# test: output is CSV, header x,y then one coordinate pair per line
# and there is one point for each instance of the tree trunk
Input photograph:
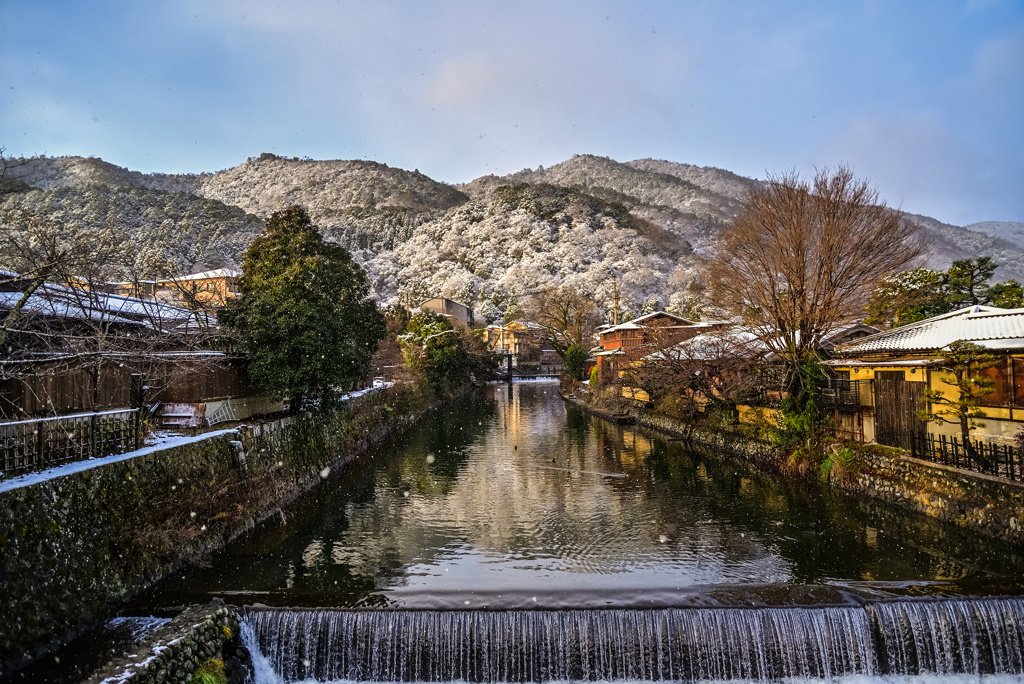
x,y
972,453
796,388
13,314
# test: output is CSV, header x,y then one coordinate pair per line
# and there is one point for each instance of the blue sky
x,y
925,99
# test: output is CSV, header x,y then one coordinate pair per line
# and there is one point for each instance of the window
x,y
999,374
1018,382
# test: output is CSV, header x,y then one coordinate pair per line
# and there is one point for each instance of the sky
x,y
924,98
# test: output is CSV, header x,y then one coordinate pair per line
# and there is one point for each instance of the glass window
x,y
1018,382
999,375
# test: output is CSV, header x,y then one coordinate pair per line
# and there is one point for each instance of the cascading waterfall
x,y
973,636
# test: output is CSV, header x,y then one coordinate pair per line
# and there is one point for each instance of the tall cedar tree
x,y
304,315
802,259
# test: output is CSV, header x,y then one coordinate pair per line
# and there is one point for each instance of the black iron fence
x,y
31,445
1002,460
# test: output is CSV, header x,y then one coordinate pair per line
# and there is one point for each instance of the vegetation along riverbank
x,y
982,503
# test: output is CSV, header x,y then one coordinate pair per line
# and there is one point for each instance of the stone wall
x,y
74,546
200,639
982,503
989,505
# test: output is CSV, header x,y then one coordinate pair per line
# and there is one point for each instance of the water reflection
x,y
511,491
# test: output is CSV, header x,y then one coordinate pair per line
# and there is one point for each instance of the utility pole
x,y
615,300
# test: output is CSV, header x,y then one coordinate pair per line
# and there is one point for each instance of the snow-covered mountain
x,y
1010,231
488,243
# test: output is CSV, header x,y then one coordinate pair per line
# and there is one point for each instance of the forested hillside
x,y
515,240
1010,231
168,233
587,222
363,205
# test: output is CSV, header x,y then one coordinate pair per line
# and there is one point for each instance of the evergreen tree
x,y
304,316
919,293
906,297
575,359
960,401
966,282
446,356
1007,295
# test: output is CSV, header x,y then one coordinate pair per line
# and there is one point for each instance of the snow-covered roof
x,y
987,326
63,302
206,275
710,346
629,325
523,326
639,321
849,363
853,327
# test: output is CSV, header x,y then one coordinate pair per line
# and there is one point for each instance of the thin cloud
x,y
919,163
460,89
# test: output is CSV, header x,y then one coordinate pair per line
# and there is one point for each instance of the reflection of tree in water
x,y
824,534
381,534
513,480
431,464
576,427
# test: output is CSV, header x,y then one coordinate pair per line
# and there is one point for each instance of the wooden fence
x,y
1002,460
55,389
31,445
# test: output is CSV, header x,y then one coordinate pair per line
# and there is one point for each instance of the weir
x,y
909,637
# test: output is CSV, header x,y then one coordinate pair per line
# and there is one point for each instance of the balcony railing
x,y
842,395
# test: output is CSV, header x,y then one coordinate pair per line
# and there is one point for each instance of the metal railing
x,y
840,394
31,445
1001,460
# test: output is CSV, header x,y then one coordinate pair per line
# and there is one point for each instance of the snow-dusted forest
x,y
590,222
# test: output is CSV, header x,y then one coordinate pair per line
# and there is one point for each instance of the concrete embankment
x,y
981,503
76,545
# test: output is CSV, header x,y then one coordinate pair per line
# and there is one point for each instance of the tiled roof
x,y
985,325
57,301
205,275
638,322
738,341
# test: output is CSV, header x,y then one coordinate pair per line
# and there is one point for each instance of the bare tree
x,y
719,365
568,316
58,316
802,259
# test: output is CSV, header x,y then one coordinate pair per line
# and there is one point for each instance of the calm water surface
x,y
511,498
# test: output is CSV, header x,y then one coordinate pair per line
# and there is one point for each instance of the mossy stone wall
x,y
199,639
982,503
73,546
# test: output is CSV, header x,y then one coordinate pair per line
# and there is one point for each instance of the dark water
x,y
512,499
79,659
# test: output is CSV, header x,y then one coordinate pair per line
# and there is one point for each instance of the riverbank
x,y
981,503
78,544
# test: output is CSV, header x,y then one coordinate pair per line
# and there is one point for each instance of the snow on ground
x,y
547,380
165,441
359,393
157,441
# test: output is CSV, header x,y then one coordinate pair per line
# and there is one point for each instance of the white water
x,y
955,640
